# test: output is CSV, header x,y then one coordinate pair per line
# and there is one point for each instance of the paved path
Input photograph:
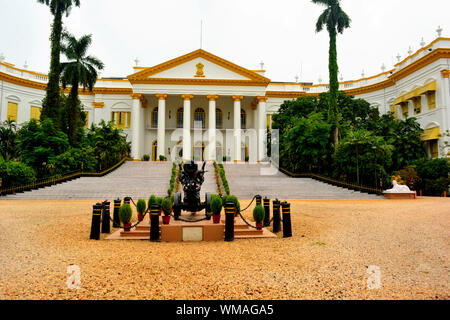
x,y
246,181
134,179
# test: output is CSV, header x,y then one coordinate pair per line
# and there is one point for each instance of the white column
x,y
212,127
135,126
161,125
446,109
237,128
97,114
187,146
262,139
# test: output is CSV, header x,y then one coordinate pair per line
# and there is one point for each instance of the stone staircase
x,y
247,180
134,179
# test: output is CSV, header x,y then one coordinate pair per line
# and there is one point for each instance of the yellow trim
x,y
121,119
98,105
430,87
143,76
446,73
421,49
187,97
136,96
431,134
155,150
212,97
431,99
237,98
86,123
162,96
261,98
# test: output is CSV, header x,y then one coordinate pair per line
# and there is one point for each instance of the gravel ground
x,y
334,242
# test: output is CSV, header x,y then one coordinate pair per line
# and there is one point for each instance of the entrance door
x,y
155,150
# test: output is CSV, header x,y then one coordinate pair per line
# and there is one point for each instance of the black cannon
x,y
192,179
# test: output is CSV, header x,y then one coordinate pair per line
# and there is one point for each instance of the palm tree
x,y
81,70
51,106
335,20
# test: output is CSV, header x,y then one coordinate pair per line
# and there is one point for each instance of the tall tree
x,y
80,70
335,20
51,107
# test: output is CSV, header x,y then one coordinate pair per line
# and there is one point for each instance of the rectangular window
x,y
431,98
122,120
35,113
394,111
86,122
434,149
218,119
12,111
405,110
417,101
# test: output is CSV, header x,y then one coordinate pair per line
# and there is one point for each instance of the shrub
x,y
167,206
162,158
141,206
216,204
236,202
259,214
146,157
159,201
125,213
16,174
151,200
409,176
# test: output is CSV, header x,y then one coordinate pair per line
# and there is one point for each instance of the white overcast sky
x,y
281,33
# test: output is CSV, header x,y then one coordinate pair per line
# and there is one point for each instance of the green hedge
x,y
15,174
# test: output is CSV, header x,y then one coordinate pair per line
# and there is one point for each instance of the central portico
x,y
199,107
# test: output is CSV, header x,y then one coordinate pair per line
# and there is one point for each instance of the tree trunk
x,y
73,112
334,88
52,108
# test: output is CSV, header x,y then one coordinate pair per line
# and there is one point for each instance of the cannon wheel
x,y
177,206
208,202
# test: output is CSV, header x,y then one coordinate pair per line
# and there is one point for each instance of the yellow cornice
x,y
212,97
22,82
145,74
98,105
136,96
374,87
10,65
187,97
237,98
446,73
103,90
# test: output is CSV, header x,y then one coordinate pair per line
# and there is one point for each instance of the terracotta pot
x,y
127,227
166,220
259,226
140,217
216,218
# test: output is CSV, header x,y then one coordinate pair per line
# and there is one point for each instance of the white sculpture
x,y
398,188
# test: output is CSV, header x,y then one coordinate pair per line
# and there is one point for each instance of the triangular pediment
x,y
199,67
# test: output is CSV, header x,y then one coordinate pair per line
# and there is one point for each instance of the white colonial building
x,y
203,107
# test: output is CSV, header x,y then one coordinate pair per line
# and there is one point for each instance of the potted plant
x,y
259,214
151,200
146,157
125,214
141,206
159,202
216,208
167,209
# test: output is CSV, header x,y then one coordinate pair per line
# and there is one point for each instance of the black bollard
x,y
258,200
95,226
267,210
106,217
116,219
276,216
127,200
230,209
287,226
154,222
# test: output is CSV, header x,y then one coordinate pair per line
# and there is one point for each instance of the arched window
x,y
199,116
180,118
243,119
219,119
155,118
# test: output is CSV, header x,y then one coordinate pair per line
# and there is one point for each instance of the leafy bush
x,y
16,174
141,206
74,159
409,177
159,201
216,204
433,176
162,158
235,200
166,206
125,213
151,200
259,214
146,157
